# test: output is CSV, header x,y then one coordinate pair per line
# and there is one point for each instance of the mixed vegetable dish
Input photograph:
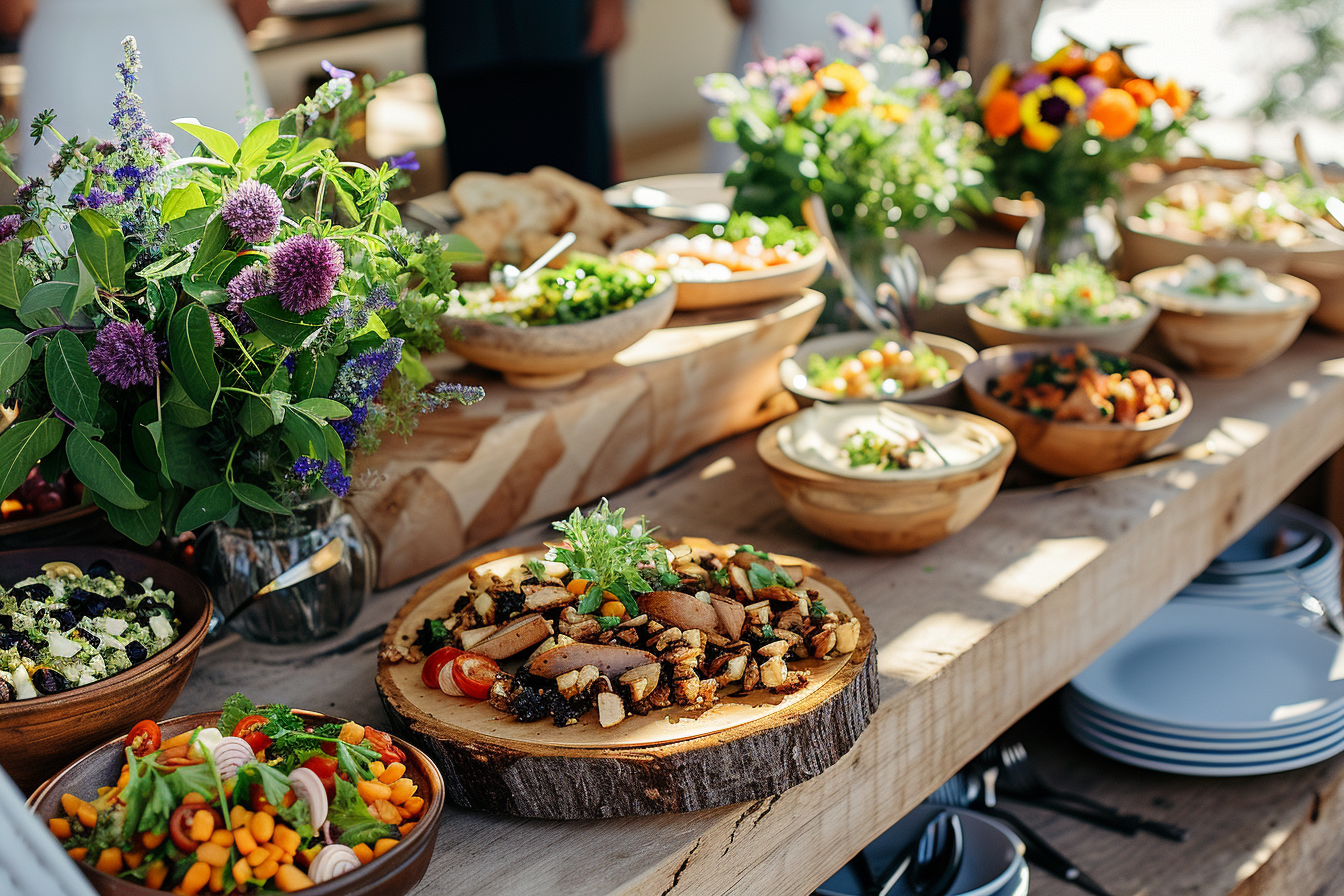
x,y
867,448
1081,385
1076,293
68,627
585,288
613,620
266,800
885,369
714,252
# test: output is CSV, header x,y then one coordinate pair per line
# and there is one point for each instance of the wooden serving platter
x,y
680,759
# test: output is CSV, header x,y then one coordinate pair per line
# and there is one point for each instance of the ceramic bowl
x,y
1121,336
392,874
793,370
555,355
1223,338
890,515
746,287
39,735
1070,448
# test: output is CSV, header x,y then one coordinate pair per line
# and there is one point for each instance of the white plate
x,y
1249,554
1288,727
1084,714
1093,732
686,197
1198,665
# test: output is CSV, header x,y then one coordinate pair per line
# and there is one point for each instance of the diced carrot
x,y
273,850
193,799
383,846
414,805
150,840
290,799
213,854
156,875
352,733
133,859
109,861
392,773
79,853
239,817
578,586
364,852
375,766
262,827
290,879
202,826
71,803
60,827
243,839
242,872
266,870
372,791
177,740
406,828
402,790
222,838
198,875
217,879
88,816
386,812
286,838
258,856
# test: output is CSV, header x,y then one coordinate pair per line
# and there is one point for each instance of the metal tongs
x,y
509,276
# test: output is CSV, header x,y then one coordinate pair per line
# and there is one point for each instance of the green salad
x,y
772,231
586,288
866,448
1076,293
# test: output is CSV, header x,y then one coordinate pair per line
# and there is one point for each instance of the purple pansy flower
x,y
253,211
304,271
125,355
333,72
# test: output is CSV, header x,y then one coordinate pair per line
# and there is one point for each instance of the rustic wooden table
x,y
973,633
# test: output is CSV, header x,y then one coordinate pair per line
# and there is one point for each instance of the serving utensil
x,y
927,867
856,297
509,276
324,559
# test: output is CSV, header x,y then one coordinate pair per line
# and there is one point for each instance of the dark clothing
x,y
516,88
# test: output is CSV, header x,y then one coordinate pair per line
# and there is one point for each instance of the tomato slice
x,y
145,738
474,674
325,767
434,663
388,751
179,824
249,729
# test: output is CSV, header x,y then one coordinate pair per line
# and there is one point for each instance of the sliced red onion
x,y
332,861
307,786
231,754
447,684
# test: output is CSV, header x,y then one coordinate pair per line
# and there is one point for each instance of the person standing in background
x,y
523,82
196,63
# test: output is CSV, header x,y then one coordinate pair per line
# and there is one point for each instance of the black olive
x,y
39,612
6,620
136,653
35,591
7,639
95,607
49,681
90,637
100,569
131,589
64,618
116,602
7,692
28,649
78,597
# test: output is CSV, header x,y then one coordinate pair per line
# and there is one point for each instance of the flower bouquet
x,y
1060,130
196,337
875,139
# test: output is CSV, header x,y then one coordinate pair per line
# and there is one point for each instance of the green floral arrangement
x,y
196,338
875,138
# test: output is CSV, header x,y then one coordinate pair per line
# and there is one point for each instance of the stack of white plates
x,y
1249,576
1211,690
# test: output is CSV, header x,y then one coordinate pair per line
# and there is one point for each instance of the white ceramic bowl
x,y
793,370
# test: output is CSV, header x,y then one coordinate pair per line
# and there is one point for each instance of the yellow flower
x,y
1048,107
896,112
999,78
843,84
803,96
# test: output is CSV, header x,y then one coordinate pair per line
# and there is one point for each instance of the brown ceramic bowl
x,y
39,735
1120,336
555,355
1221,338
1070,448
886,516
392,874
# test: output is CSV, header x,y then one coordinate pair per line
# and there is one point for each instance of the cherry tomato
x,y
388,751
179,824
474,674
249,729
325,767
145,738
434,663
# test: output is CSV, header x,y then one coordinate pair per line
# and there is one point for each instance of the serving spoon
x,y
509,276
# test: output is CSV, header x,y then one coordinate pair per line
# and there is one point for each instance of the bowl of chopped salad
x,y
1226,319
861,366
1078,302
1076,411
552,329
91,639
251,799
747,259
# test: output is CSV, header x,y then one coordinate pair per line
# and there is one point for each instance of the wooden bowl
x,y
746,287
554,355
1222,339
885,516
1121,336
1070,448
392,874
39,735
1325,271
1144,250
793,370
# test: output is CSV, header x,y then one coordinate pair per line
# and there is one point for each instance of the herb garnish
x,y
612,557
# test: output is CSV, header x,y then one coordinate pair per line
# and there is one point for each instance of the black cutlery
x,y
927,867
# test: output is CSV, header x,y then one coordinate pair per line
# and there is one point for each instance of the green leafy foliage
x,y
349,814
602,550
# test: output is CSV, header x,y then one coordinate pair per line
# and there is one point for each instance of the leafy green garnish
x,y
235,709
818,609
719,577
773,230
537,568
609,621
349,813
432,635
866,448
275,784
603,550
1074,293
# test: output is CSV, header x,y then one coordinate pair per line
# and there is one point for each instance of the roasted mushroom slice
x,y
732,616
678,609
548,597
610,659
517,636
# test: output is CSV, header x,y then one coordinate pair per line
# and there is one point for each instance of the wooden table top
x,y
973,632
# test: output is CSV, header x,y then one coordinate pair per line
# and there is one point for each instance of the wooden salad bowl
x,y
793,369
745,287
1222,339
392,874
555,355
681,759
1120,336
886,516
39,735
1071,448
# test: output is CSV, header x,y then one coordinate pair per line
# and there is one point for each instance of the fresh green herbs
x,y
432,635
349,813
537,568
611,556
1075,293
762,576
866,448
773,230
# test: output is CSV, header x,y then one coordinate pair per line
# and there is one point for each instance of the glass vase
x,y
1054,237
236,562
865,252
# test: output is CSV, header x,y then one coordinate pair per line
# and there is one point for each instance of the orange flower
x,y
804,96
1002,114
1068,60
843,85
1142,90
1040,139
1110,68
1116,112
893,112
1175,96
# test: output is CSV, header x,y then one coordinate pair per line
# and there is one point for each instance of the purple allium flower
x,y
305,466
216,329
253,211
304,271
406,162
246,285
334,479
334,72
9,225
125,355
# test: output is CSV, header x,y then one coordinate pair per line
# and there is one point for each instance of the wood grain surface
x,y
972,633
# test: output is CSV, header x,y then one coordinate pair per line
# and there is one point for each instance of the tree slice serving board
x,y
680,759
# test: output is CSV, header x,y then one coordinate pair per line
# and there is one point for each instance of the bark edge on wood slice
x,y
752,761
